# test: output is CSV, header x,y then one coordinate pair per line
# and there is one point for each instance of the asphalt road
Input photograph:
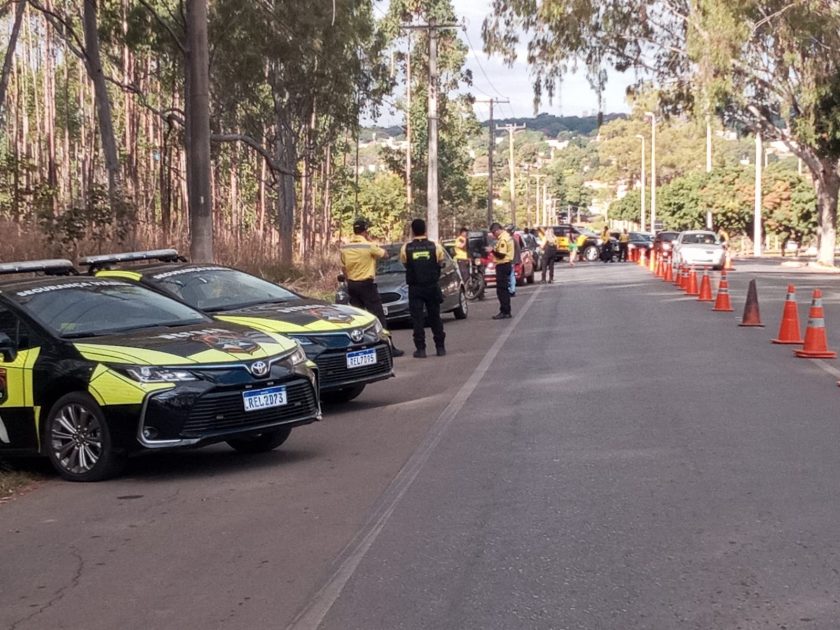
x,y
618,456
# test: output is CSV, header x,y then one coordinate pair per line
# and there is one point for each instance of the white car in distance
x,y
699,248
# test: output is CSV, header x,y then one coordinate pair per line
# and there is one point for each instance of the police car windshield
x,y
88,308
214,289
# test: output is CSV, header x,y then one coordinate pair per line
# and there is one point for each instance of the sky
x,y
493,78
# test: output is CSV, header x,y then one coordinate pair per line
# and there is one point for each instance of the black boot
x,y
420,353
441,351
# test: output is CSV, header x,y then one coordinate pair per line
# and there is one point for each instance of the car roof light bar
x,y
163,255
51,267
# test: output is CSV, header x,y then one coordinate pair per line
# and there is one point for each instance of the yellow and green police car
x,y
93,369
349,345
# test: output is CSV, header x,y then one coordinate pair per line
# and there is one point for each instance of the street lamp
x,y
642,138
652,117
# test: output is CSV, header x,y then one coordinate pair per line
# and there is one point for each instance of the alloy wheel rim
x,y
76,439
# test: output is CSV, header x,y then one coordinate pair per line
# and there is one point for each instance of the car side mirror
x,y
341,277
8,349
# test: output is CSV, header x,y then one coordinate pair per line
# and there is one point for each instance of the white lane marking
x,y
313,614
820,363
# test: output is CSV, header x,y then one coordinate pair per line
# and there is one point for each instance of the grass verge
x,y
14,481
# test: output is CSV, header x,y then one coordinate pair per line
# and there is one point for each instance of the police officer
x,y
422,259
549,247
503,254
358,262
623,245
462,256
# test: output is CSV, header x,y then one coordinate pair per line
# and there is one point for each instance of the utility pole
x,y
708,166
642,138
546,218
538,216
511,129
759,161
490,149
652,170
432,173
408,192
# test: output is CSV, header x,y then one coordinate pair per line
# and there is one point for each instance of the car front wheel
x,y
78,441
261,443
590,253
462,309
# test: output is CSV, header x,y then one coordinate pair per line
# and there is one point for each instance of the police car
x,y
92,369
349,345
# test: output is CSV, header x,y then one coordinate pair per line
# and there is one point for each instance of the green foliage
x,y
381,200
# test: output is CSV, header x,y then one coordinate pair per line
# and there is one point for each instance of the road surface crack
x,y
59,594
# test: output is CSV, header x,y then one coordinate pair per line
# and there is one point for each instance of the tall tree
x,y
773,65
8,60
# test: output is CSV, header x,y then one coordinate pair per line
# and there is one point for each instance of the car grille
x,y
332,367
222,411
390,297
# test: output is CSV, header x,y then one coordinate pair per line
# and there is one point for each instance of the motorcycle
x,y
474,285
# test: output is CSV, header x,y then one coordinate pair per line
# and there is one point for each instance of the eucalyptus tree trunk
x,y
8,60
199,190
827,182
285,149
93,60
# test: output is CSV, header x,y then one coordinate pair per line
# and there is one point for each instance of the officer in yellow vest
x,y
462,256
623,245
358,263
503,253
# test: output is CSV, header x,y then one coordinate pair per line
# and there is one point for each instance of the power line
x,y
478,61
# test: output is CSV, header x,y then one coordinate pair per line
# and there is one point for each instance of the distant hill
x,y
553,126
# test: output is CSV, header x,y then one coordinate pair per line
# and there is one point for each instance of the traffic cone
x,y
722,302
815,346
642,259
652,264
728,266
683,277
669,272
658,273
789,330
705,288
751,317
692,288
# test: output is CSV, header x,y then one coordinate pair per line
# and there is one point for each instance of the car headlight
x,y
145,374
378,328
297,357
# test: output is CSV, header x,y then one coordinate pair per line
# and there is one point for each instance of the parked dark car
x,y
663,243
390,281
638,240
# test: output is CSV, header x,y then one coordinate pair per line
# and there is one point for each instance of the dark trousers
x,y
622,252
464,268
548,263
423,303
364,294
502,288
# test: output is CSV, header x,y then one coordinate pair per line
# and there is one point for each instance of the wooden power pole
x,y
490,150
511,129
432,173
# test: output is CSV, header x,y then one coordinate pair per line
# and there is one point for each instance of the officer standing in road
x,y
503,255
462,256
358,262
623,245
422,259
549,247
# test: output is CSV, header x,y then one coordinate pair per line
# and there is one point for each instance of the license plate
x,y
264,398
360,358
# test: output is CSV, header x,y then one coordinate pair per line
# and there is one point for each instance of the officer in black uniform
x,y
422,259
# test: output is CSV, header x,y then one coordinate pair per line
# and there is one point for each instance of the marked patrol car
x,y
92,369
349,345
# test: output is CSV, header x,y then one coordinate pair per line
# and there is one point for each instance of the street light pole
x,y
759,155
709,222
642,138
652,170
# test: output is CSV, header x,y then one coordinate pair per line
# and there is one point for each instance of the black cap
x,y
495,226
360,225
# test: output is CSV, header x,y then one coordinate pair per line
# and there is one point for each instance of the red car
x,y
524,270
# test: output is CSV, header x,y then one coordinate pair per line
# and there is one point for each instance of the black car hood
x,y
299,316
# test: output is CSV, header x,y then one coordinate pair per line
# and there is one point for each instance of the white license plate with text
x,y
360,358
264,398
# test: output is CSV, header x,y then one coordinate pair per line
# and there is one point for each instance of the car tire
x,y
78,441
530,279
343,395
261,443
590,253
463,309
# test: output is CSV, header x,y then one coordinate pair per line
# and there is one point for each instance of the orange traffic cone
x,y
722,302
729,266
683,277
677,275
692,288
815,346
642,259
751,317
669,272
659,273
652,265
789,328
705,288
